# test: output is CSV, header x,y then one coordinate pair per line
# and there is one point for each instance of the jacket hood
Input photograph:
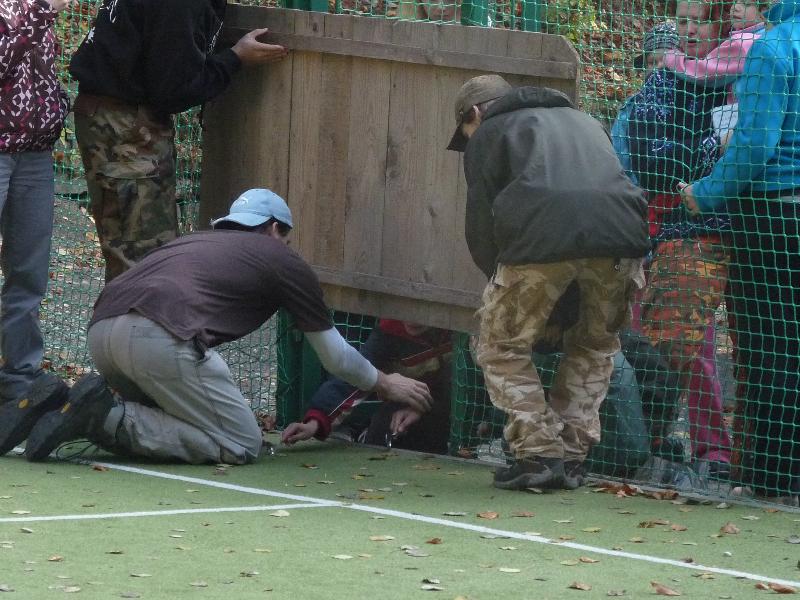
x,y
783,10
530,97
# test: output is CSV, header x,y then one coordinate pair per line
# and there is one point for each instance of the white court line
x,y
455,524
156,513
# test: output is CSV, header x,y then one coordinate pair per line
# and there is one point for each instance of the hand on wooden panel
x,y
252,52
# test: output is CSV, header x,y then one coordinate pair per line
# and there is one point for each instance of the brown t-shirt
x,y
217,286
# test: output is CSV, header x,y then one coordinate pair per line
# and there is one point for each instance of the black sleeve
x,y
179,69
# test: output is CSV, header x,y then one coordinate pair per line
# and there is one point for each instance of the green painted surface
x,y
293,555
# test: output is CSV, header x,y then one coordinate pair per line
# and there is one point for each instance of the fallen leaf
x,y
793,539
653,523
454,514
637,540
415,553
130,595
508,570
729,528
326,482
431,588
615,593
522,514
676,527
779,588
588,560
762,586
488,515
248,573
101,468
279,513
431,580
4,587
20,512
434,541
141,575
576,585
26,530
663,590
56,558
750,517
591,529
115,552
262,550
309,466
380,538
508,548
342,556
200,584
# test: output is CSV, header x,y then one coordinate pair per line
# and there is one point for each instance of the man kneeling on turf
x,y
152,337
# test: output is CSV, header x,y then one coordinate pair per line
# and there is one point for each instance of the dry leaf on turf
x,y
431,588
279,513
653,523
677,527
663,590
508,570
434,541
522,514
453,513
779,588
577,585
342,556
380,538
488,515
200,584
591,529
616,593
729,528
55,558
587,560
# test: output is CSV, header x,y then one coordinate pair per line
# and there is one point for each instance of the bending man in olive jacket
x,y
548,204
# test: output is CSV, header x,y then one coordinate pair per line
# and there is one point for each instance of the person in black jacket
x,y
142,62
548,204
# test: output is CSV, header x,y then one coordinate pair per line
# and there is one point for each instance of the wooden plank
x,y
415,55
332,150
304,189
397,287
366,165
227,173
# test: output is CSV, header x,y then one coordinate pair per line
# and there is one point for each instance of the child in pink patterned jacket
x,y
32,111
723,65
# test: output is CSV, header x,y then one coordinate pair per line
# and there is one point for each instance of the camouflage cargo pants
x,y
686,286
516,305
129,157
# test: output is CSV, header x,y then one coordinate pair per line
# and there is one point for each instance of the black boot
x,y
534,472
82,417
18,417
574,474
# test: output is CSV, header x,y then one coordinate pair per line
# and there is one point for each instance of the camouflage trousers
x,y
686,286
516,305
129,158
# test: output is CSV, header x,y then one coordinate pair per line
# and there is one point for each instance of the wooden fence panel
x,y
351,129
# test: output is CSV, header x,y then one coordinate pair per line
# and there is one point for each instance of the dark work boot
x,y
18,417
535,472
574,474
82,417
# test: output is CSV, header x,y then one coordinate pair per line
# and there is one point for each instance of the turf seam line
x,y
157,513
457,525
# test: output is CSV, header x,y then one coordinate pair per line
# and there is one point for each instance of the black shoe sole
x,y
19,417
67,424
523,481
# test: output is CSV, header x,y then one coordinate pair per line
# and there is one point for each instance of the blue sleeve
x,y
763,93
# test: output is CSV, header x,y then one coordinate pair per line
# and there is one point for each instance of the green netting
x,y
722,398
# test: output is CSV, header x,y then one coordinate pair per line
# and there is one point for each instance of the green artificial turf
x,y
260,554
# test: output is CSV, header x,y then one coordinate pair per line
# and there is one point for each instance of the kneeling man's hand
x,y
403,419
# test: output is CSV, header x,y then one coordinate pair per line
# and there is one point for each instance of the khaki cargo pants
x,y
516,305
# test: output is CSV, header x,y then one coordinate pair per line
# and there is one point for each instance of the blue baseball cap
x,y
256,207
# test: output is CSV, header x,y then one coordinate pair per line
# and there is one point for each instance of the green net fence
x,y
704,394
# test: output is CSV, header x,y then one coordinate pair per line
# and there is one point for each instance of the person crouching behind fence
x,y
548,203
153,332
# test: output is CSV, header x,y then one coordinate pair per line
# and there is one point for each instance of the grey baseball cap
x,y
256,207
475,91
663,36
